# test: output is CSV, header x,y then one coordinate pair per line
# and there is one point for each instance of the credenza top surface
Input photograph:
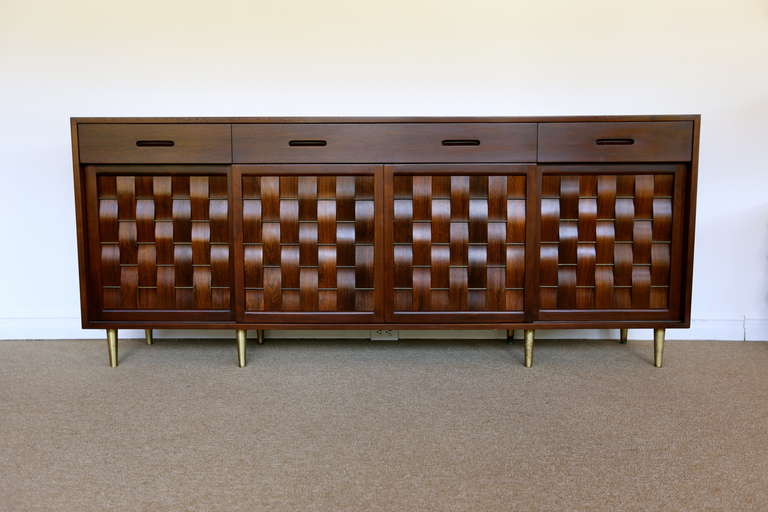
x,y
420,119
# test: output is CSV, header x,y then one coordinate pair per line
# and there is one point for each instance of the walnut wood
x,y
192,143
607,240
308,243
387,119
281,323
385,226
160,241
688,225
668,141
81,224
385,142
458,241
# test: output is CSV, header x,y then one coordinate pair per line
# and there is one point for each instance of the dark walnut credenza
x,y
385,223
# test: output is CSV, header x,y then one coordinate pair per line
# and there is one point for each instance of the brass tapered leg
x,y
623,334
529,347
658,347
148,336
261,336
112,343
241,348
510,335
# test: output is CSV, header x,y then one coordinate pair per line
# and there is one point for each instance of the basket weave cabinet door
x,y
456,242
611,241
307,243
159,242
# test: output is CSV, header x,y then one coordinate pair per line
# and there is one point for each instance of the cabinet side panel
x,y
80,224
690,224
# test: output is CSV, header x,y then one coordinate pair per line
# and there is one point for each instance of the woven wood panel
x,y
308,243
164,242
606,241
459,243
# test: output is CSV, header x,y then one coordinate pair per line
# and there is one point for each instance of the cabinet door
x,y
610,242
159,242
456,242
307,243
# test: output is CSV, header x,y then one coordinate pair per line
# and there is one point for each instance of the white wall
x,y
434,57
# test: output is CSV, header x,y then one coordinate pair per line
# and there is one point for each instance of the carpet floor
x,y
365,426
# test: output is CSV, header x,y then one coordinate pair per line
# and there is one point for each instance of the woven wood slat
x,y
458,243
156,234
308,243
605,241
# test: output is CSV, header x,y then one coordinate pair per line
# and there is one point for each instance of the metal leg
x,y
112,344
658,347
261,336
623,334
510,335
529,347
241,348
148,336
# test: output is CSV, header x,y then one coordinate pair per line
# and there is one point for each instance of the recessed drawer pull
x,y
155,143
614,142
308,143
461,142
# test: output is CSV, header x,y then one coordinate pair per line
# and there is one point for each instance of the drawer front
x,y
610,242
155,143
668,141
457,242
384,142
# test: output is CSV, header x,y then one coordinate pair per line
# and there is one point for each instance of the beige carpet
x,y
364,426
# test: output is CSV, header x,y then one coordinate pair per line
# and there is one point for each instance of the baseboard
x,y
741,329
756,329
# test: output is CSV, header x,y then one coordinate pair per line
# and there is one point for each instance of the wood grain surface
x,y
308,243
386,222
384,142
164,242
459,243
668,141
155,143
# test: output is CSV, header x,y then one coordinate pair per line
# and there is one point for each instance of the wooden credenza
x,y
385,223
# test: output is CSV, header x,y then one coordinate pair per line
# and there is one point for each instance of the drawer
x,y
667,141
155,143
384,142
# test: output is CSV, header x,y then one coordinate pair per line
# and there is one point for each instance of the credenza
x,y
386,223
